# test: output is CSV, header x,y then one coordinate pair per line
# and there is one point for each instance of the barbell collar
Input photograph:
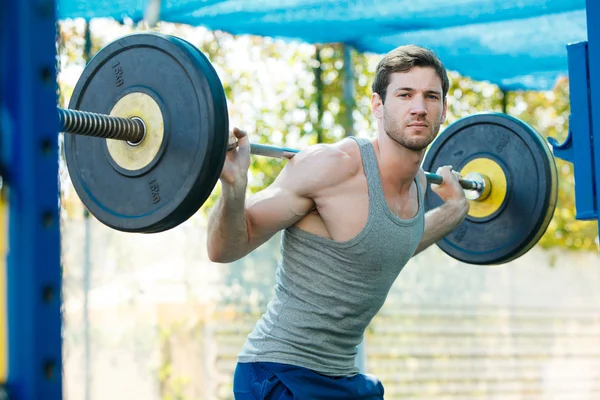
x,y
483,181
86,123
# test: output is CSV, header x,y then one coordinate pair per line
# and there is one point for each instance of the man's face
x,y
414,108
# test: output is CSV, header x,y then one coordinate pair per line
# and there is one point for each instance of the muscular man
x,y
352,216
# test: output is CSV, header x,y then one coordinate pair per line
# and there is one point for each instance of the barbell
x,y
147,134
133,131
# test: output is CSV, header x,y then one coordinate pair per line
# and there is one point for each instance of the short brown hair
x,y
403,59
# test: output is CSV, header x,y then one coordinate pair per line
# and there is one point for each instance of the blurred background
x,y
150,317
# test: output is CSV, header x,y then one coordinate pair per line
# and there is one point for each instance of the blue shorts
x,y
274,381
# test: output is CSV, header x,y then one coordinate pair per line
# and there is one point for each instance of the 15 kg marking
x,y
154,190
118,70
503,142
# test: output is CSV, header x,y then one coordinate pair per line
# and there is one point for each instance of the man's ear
x,y
445,108
377,105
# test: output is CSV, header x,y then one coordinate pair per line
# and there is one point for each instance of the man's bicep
x,y
291,195
273,209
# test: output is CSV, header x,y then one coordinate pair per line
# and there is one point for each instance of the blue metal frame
x,y
580,148
30,162
593,28
577,149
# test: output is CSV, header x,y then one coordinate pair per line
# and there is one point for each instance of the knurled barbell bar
x,y
149,124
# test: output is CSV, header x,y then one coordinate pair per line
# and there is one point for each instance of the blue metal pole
x,y
593,28
30,160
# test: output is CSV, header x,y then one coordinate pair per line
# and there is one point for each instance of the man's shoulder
x,y
324,165
344,152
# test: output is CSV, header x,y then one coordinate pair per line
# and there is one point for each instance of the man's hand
x,y
237,161
442,220
450,190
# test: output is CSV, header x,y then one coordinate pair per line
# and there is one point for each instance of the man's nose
x,y
418,106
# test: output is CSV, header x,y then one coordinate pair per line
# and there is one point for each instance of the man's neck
x,y
398,165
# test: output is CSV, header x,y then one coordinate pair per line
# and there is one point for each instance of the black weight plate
x,y
192,100
532,186
214,171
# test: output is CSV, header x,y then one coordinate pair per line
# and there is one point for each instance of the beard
x,y
397,132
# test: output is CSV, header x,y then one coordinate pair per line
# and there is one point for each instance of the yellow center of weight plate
x,y
135,157
482,208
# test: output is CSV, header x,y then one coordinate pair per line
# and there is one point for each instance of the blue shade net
x,y
516,44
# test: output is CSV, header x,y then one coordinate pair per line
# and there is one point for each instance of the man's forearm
x,y
227,226
440,221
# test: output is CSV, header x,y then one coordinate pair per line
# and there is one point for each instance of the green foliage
x,y
270,87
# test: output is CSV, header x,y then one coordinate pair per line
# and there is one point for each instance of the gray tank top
x,y
327,292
